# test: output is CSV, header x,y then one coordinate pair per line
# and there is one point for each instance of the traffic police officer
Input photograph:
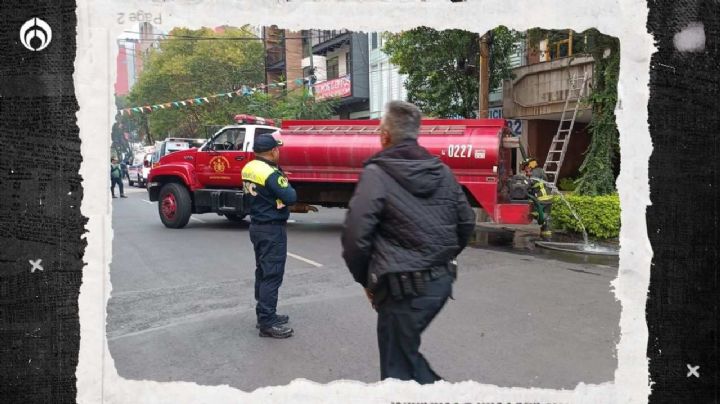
x,y
270,195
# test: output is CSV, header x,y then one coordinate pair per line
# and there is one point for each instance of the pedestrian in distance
x,y
116,178
407,222
270,195
124,167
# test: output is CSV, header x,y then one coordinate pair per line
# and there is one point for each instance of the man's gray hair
x,y
401,121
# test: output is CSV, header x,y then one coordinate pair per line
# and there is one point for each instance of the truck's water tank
x,y
316,149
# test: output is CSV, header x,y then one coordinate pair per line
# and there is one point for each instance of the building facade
x,y
131,57
336,64
283,57
148,40
536,95
122,86
386,82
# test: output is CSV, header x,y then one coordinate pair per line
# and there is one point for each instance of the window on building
x,y
382,85
348,63
374,90
306,43
390,83
332,68
374,40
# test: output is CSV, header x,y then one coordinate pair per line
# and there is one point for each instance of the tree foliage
x,y
301,104
597,174
296,104
183,68
443,67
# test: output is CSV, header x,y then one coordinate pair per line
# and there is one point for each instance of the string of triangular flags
x,y
243,91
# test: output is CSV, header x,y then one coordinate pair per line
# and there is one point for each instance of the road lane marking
x,y
146,201
303,259
197,220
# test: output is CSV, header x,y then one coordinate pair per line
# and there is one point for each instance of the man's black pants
x,y
119,182
400,323
270,244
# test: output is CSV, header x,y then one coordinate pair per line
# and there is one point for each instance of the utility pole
x,y
311,82
484,76
265,53
310,41
483,102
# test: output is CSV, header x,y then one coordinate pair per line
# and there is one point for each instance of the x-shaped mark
x,y
693,371
36,265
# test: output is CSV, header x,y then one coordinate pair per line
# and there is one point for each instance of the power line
x,y
253,38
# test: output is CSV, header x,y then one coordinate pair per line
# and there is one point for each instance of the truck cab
x,y
208,178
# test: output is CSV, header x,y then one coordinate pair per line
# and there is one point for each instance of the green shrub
x,y
599,214
566,184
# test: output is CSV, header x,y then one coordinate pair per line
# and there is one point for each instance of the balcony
x,y
327,41
539,90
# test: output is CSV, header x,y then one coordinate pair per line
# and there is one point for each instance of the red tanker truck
x,y
323,160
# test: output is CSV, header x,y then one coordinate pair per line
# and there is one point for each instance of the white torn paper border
x,y
98,29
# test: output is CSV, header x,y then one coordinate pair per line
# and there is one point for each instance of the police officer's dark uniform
x,y
406,222
270,194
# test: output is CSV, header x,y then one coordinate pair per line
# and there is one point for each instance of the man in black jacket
x,y
408,219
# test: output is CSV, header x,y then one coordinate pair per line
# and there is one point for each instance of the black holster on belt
x,y
406,284
411,284
400,285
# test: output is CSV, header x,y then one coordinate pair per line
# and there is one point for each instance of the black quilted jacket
x,y
408,213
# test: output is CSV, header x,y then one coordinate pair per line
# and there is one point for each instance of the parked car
x,y
140,169
173,144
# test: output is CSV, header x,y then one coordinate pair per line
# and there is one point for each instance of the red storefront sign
x,y
339,87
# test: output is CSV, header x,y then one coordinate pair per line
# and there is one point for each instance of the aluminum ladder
x,y
559,144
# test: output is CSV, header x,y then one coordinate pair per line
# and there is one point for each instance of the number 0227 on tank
x,y
464,151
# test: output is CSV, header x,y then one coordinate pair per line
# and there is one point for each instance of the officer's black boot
x,y
280,319
276,331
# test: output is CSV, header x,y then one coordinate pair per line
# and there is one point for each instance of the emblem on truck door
x,y
219,164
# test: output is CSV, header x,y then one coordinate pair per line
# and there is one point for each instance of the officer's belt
x,y
269,222
399,285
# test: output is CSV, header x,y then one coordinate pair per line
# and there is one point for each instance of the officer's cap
x,y
265,142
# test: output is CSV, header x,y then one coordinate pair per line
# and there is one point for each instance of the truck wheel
x,y
174,205
235,218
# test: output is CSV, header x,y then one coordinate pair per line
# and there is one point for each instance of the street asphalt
x,y
182,309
